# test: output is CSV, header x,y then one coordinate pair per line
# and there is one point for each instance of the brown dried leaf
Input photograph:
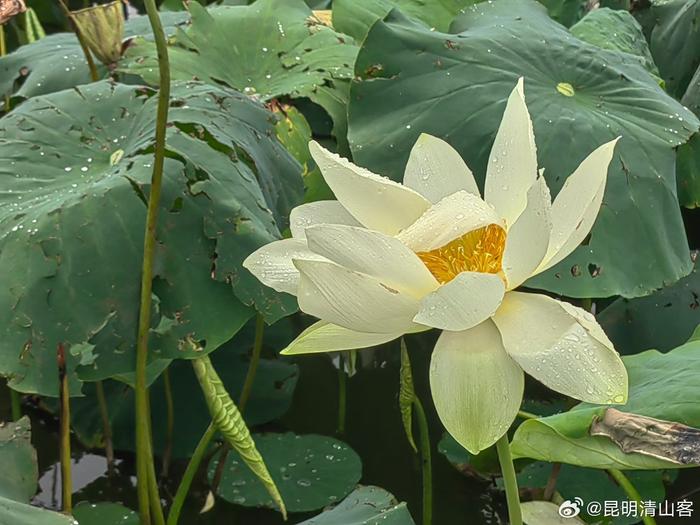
x,y
657,438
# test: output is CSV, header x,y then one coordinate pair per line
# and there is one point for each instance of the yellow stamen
x,y
477,251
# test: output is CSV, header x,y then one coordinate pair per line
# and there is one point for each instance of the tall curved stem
x,y
510,482
187,478
144,454
631,491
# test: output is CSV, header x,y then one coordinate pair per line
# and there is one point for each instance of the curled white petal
x,y
272,264
353,300
447,220
377,202
512,166
462,303
319,212
561,346
436,170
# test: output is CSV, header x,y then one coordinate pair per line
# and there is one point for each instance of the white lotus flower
x,y
387,259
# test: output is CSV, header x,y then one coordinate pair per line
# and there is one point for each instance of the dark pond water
x,y
373,429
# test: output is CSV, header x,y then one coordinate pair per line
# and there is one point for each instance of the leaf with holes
x,y
662,320
56,62
283,50
355,17
76,168
454,86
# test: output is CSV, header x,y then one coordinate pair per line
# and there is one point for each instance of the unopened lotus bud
x,y
11,8
102,29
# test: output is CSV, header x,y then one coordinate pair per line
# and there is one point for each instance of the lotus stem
x,y
106,425
3,52
631,491
510,482
190,472
426,461
245,396
16,402
170,425
64,397
527,415
342,395
254,362
94,75
552,482
144,453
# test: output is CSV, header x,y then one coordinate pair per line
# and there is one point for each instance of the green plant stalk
x,y
3,52
510,482
106,425
190,472
153,496
94,75
65,455
230,423
16,402
426,461
144,454
254,362
631,491
170,425
245,396
342,395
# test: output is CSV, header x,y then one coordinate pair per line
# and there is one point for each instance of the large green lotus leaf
x,y
310,471
675,41
280,50
56,62
15,513
104,513
662,320
355,17
17,461
76,167
593,485
616,30
271,396
565,437
365,506
455,86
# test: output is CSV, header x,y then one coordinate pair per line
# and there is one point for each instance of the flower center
x,y
477,251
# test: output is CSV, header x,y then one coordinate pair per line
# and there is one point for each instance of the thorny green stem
x,y
190,472
170,425
144,453
426,461
94,75
64,396
509,481
245,396
106,425
631,491
342,395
